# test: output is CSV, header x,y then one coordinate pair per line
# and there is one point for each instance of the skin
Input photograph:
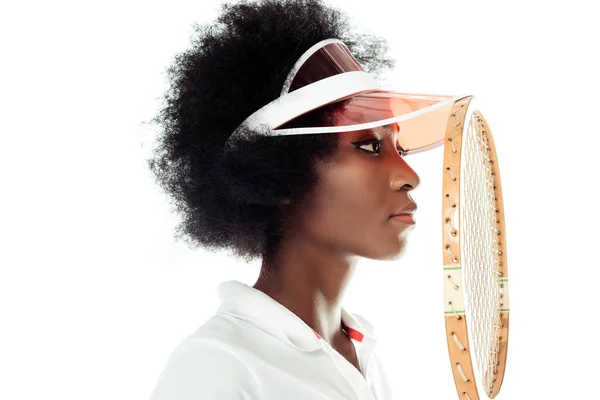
x,y
345,218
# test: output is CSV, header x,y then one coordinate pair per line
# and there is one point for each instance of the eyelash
x,y
371,142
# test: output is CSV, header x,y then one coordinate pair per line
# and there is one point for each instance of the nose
x,y
404,178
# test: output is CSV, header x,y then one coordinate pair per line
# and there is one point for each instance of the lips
x,y
407,210
404,215
405,218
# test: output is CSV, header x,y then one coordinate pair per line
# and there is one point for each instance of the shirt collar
x,y
261,310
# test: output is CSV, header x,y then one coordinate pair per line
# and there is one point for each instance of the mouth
x,y
406,218
405,214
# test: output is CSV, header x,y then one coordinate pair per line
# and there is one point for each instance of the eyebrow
x,y
392,126
388,129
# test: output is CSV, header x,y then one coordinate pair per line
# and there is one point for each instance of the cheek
x,y
348,205
351,218
358,191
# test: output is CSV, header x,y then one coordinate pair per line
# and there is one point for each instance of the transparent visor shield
x,y
327,73
421,119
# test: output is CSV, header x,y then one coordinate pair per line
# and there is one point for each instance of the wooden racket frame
x,y
456,320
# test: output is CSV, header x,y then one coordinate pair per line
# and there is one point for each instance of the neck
x,y
310,281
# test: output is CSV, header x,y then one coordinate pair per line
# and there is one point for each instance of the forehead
x,y
357,110
362,109
379,131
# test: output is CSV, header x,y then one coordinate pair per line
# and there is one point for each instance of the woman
x,y
308,205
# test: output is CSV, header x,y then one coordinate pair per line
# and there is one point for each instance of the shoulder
x,y
204,368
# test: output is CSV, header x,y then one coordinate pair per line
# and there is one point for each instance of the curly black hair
x,y
233,200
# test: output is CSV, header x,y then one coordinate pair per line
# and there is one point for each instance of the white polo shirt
x,y
255,348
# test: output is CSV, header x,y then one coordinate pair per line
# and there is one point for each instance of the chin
x,y
387,254
395,256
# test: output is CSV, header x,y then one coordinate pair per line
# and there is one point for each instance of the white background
x,y
94,291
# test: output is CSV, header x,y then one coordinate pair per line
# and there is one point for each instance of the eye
x,y
375,145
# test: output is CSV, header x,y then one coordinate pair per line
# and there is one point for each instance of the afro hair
x,y
233,201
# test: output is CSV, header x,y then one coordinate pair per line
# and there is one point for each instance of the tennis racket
x,y
474,254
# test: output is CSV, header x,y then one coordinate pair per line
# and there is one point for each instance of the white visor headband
x,y
328,73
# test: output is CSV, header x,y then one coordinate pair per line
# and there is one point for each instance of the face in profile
x,y
359,189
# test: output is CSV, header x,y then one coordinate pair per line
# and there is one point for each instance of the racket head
x,y
474,254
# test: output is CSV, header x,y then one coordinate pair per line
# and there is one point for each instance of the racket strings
x,y
479,250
